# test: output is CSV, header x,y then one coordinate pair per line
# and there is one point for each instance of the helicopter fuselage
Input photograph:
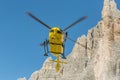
x,y
57,38
56,41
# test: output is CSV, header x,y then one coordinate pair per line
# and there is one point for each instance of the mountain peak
x,y
110,9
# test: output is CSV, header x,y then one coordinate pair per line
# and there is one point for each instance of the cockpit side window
x,y
52,31
59,32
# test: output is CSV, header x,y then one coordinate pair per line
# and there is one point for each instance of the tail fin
x,y
58,66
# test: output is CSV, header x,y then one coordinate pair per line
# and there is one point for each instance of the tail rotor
x,y
58,63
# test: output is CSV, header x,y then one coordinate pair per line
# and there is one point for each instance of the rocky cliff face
x,y
98,55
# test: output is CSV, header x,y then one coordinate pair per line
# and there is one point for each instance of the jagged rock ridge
x,y
98,56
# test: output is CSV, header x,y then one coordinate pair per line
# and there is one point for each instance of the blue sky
x,y
20,35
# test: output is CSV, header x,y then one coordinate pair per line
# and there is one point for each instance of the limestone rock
x,y
110,9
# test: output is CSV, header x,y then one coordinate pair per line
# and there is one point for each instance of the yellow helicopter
x,y
56,41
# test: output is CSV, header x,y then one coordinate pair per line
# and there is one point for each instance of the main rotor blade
x,y
81,19
31,15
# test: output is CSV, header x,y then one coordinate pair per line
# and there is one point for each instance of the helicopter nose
x,y
54,33
52,37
